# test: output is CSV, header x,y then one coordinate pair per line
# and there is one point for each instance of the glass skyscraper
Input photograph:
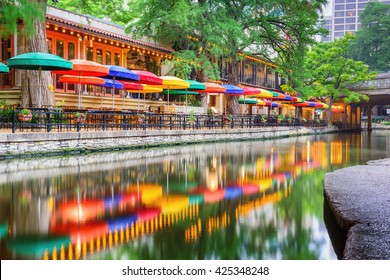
x,y
344,18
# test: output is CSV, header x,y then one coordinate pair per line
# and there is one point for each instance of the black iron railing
x,y
58,120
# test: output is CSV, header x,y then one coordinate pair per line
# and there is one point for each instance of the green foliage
x,y
281,118
114,10
14,12
25,112
203,31
329,72
191,117
372,44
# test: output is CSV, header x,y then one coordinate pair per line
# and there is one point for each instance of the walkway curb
x,y
359,198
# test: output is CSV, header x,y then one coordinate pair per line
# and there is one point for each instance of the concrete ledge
x,y
28,144
359,198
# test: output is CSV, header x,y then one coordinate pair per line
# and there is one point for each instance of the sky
x,y
328,8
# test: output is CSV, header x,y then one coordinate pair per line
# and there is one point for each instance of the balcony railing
x,y
56,120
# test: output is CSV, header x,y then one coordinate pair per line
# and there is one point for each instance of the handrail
x,y
59,120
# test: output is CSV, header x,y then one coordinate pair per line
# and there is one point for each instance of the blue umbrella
x,y
108,83
233,90
120,73
112,84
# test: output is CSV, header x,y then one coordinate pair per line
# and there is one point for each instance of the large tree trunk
x,y
329,111
232,75
35,84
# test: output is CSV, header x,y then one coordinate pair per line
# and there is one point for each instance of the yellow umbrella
x,y
149,192
147,89
262,94
171,204
170,82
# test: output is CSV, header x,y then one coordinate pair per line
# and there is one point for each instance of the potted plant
x,y
263,119
25,115
80,117
191,118
289,119
140,118
281,118
228,118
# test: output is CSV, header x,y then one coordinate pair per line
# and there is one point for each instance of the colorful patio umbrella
x,y
262,94
84,80
233,90
3,68
41,62
170,82
214,88
250,90
120,73
148,78
82,67
251,101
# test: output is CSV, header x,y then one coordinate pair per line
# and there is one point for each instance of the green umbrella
x,y
247,101
3,68
3,230
39,61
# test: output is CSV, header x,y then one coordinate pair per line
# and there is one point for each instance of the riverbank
x,y
359,198
46,144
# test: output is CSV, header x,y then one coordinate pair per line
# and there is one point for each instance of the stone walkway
x,y
359,198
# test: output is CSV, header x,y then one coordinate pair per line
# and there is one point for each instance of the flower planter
x,y
25,118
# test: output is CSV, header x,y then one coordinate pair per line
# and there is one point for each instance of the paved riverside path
x,y
359,198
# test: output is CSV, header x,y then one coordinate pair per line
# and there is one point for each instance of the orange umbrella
x,y
82,67
84,80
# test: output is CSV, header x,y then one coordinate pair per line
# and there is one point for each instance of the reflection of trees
x,y
278,230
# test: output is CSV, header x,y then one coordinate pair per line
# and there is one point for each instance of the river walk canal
x,y
237,200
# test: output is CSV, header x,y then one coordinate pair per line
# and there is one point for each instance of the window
x,y
339,27
362,5
339,1
117,59
339,7
350,1
99,56
350,20
339,34
339,20
49,45
60,48
71,51
350,13
350,6
108,58
325,39
89,54
5,48
350,27
339,14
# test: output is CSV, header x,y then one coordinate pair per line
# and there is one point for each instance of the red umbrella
x,y
131,86
84,80
82,67
146,77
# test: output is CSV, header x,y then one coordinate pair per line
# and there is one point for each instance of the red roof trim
x,y
107,33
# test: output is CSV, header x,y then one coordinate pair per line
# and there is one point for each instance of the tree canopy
x,y
329,72
372,43
224,31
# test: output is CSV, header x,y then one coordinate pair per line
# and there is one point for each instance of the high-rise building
x,y
344,17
